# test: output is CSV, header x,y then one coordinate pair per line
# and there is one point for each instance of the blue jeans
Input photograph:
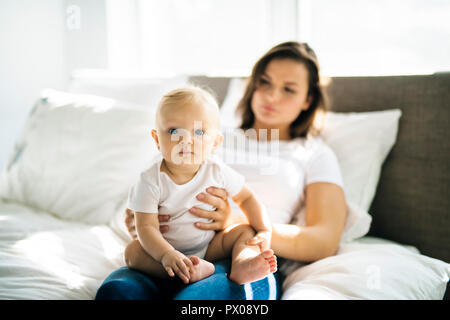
x,y
129,284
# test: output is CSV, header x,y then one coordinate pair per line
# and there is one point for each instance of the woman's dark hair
x,y
302,53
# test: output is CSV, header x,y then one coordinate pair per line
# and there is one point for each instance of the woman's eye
x,y
173,131
289,90
199,132
264,82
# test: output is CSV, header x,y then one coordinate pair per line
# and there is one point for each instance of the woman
x,y
283,97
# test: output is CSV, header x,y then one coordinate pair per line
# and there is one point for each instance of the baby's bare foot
x,y
254,268
202,269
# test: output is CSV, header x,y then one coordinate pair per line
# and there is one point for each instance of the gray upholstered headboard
x,y
412,203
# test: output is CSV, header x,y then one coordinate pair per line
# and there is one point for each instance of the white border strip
x,y
248,291
272,287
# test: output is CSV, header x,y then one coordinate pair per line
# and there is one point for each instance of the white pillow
x,y
370,268
235,92
134,89
78,155
361,142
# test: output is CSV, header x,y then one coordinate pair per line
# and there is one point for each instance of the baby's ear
x,y
155,137
219,140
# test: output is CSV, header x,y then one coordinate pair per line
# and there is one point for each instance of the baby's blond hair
x,y
189,95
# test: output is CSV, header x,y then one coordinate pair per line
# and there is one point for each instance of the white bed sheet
x,y
44,257
371,269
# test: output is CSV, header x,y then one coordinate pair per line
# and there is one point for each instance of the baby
x,y
187,134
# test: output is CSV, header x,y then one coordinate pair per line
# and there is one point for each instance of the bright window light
x,y
226,37
366,37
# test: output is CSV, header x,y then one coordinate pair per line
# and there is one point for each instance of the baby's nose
x,y
187,138
186,141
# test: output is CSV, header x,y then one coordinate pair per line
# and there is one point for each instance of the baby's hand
x,y
177,263
262,239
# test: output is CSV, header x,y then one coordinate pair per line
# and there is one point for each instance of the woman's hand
x,y
221,217
131,224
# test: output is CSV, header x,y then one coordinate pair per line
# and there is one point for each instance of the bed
x,y
61,230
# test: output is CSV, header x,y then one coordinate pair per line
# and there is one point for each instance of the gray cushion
x,y
412,203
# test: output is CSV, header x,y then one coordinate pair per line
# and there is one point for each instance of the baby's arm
x,y
256,215
151,239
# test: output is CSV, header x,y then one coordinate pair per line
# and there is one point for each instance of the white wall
x,y
31,58
86,46
38,50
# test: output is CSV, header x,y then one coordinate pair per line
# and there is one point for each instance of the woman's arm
x,y
326,211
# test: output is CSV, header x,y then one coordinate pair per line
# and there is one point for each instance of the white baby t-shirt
x,y
155,192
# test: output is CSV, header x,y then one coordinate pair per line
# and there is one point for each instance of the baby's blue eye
x,y
173,131
199,132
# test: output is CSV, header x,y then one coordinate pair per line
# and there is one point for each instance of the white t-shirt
x,y
278,172
155,192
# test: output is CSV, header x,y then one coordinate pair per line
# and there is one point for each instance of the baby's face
x,y
187,135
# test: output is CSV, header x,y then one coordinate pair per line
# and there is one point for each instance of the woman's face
x,y
281,95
